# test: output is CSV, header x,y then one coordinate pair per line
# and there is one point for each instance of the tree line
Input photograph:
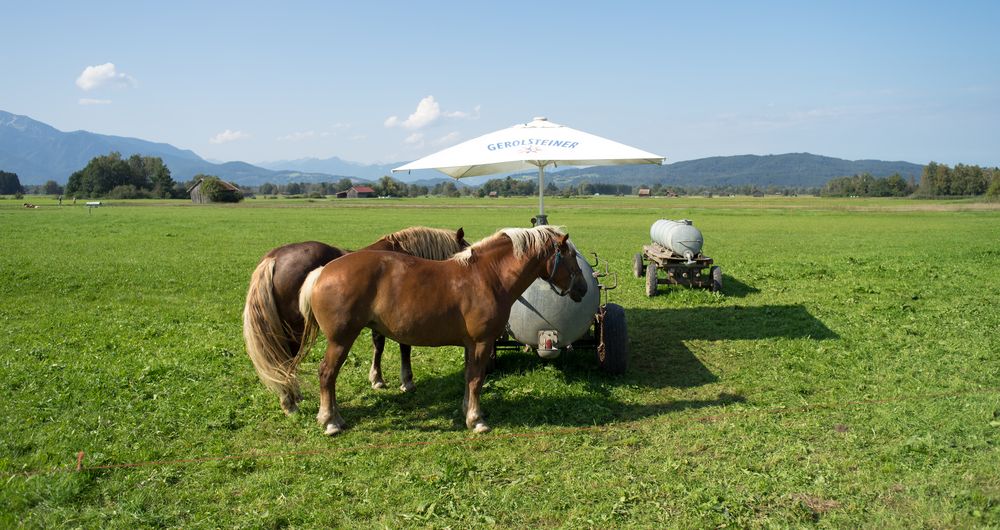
x,y
940,180
936,180
865,185
113,176
120,178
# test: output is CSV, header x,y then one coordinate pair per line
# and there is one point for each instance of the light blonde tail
x,y
267,337
311,328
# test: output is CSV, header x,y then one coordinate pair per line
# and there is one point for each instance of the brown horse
x,y
464,301
273,325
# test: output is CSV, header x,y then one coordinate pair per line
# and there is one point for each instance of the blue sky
x,y
392,81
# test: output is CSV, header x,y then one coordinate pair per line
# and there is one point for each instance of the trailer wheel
x,y
651,279
613,333
716,273
637,267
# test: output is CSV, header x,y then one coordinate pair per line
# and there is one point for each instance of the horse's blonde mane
x,y
423,242
525,241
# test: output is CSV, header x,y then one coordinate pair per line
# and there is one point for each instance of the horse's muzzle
x,y
579,289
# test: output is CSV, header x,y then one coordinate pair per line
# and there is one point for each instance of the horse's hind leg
x,y
405,370
476,359
328,416
292,395
375,372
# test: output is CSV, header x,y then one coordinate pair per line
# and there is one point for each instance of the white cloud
x,y
92,101
415,139
103,75
428,113
228,136
297,136
447,139
474,115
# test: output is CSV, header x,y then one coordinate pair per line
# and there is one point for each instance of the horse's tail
x,y
267,337
311,328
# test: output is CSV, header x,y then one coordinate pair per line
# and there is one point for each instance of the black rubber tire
x,y
637,267
651,279
615,336
716,273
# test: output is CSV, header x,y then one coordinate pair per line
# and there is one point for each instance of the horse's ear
x,y
562,241
459,234
472,255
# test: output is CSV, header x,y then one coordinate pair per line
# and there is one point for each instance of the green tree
x,y
159,176
9,183
993,192
390,187
51,187
344,184
106,172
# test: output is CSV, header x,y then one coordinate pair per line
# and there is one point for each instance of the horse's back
x,y
371,287
292,263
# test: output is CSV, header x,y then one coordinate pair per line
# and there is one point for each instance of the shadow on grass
x,y
659,359
733,288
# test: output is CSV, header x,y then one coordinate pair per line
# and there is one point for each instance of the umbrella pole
x,y
541,218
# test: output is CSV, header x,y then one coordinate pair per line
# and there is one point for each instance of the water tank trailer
x,y
676,249
548,323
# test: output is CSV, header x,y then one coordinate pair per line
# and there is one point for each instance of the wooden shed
x,y
359,192
198,197
644,192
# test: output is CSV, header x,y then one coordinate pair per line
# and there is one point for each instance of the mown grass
x,y
848,377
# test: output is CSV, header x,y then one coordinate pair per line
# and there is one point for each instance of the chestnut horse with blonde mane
x,y
463,301
272,324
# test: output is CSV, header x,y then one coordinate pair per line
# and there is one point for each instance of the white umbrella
x,y
527,145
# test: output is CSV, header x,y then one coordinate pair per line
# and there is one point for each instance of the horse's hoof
x,y
333,430
378,385
408,386
481,428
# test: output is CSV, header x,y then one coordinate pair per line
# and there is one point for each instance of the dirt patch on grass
x,y
817,505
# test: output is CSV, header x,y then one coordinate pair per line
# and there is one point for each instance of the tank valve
x,y
548,344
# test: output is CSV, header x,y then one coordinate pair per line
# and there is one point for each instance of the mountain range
x,y
786,170
38,152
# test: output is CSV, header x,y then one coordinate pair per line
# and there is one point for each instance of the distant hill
x,y
332,166
793,169
38,152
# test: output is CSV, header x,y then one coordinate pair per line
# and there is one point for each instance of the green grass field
x,y
848,377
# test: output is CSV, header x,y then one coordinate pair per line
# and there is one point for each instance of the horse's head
x,y
460,239
562,271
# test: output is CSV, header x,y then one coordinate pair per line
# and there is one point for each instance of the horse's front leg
x,y
476,360
328,416
375,372
405,369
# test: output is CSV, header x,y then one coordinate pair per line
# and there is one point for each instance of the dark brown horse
x,y
273,325
464,301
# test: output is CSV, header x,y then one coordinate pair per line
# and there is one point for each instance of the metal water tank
x,y
543,319
679,237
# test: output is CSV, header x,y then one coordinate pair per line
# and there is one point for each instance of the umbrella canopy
x,y
523,146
